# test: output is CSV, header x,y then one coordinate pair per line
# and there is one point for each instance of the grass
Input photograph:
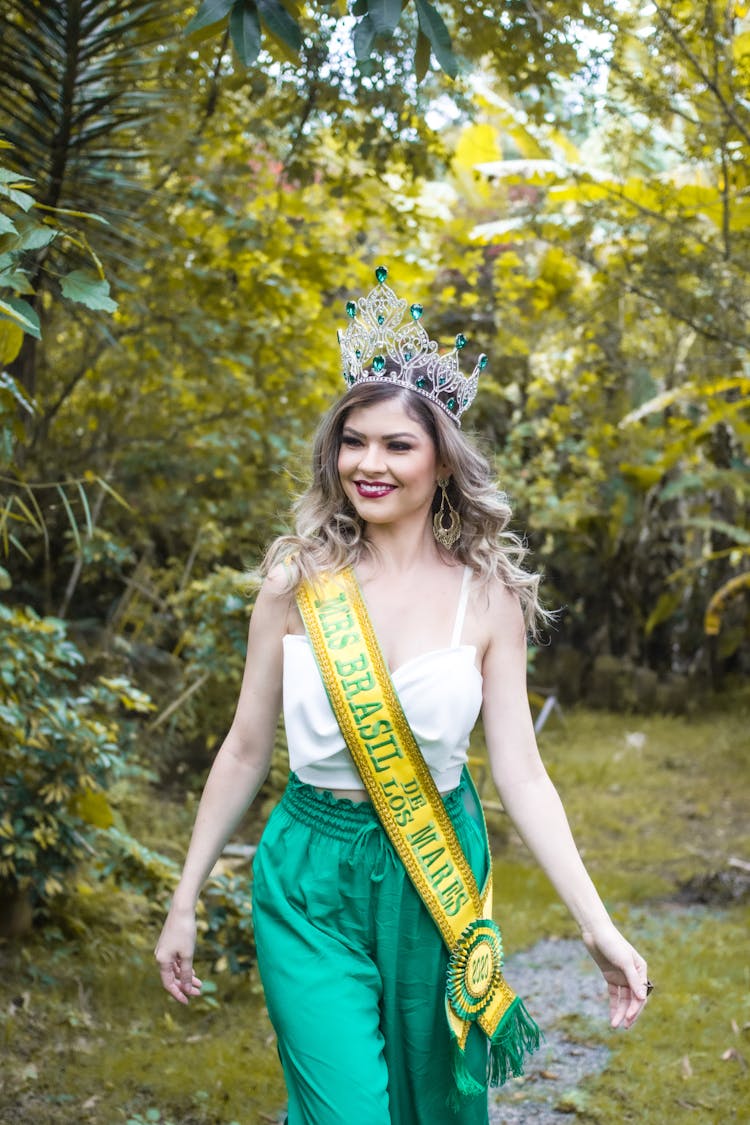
x,y
88,1037
687,1058
655,802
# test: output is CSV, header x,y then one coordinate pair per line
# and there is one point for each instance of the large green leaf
x,y
385,15
21,312
431,23
244,27
21,199
87,288
363,39
7,176
422,55
280,23
209,13
34,236
17,280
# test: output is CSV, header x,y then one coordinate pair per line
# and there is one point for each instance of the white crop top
x,y
440,692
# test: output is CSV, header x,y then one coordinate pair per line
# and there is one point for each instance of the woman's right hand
x,y
174,953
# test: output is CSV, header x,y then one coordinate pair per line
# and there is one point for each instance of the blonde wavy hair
x,y
329,535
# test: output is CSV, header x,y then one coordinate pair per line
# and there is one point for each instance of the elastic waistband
x,y
339,817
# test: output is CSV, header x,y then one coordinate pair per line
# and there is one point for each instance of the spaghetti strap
x,y
463,598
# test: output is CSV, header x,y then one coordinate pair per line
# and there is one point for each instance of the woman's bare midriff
x,y
356,794
346,794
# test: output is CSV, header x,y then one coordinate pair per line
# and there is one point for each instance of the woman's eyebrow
x,y
385,437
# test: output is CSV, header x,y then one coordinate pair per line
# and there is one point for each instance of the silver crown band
x,y
381,346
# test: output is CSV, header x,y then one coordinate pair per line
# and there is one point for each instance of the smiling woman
x,y
396,611
330,531
383,456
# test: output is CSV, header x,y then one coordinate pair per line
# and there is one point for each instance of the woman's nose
x,y
372,459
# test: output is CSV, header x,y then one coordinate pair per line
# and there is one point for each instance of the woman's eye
x,y
399,447
348,440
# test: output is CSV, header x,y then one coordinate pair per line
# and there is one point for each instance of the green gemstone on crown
x,y
451,404
421,382
460,341
381,319
358,353
381,273
441,381
351,309
378,362
407,356
482,362
416,311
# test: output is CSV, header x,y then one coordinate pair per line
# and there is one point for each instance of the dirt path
x,y
556,979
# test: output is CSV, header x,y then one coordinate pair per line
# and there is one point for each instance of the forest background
x,y
184,212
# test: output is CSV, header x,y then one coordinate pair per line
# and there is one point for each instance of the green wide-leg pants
x,y
353,967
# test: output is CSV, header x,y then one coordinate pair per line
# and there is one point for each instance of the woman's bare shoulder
x,y
498,608
496,598
274,598
276,582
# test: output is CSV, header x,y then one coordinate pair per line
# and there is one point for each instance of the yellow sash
x,y
410,808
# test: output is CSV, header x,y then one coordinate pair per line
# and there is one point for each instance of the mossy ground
x,y
655,802
687,1058
87,1036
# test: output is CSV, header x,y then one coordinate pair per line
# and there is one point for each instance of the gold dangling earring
x,y
446,536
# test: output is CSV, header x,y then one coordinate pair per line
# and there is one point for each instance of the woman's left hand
x,y
624,970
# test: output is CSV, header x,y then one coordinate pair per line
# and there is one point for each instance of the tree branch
x,y
710,82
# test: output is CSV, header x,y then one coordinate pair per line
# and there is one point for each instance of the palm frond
x,y
76,96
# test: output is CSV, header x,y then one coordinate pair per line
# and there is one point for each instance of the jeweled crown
x,y
380,345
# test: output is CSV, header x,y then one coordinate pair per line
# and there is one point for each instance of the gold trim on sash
x,y
408,803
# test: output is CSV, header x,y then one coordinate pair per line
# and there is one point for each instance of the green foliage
x,y
131,865
618,389
211,614
76,88
27,232
77,124
377,21
88,289
151,1116
393,42
225,931
433,28
24,232
225,926
60,745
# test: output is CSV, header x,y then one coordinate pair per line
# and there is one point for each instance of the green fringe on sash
x,y
517,1036
465,1085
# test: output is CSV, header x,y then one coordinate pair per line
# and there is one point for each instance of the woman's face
x,y
387,464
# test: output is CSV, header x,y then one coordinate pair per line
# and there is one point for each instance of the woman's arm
x,y
532,802
238,771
